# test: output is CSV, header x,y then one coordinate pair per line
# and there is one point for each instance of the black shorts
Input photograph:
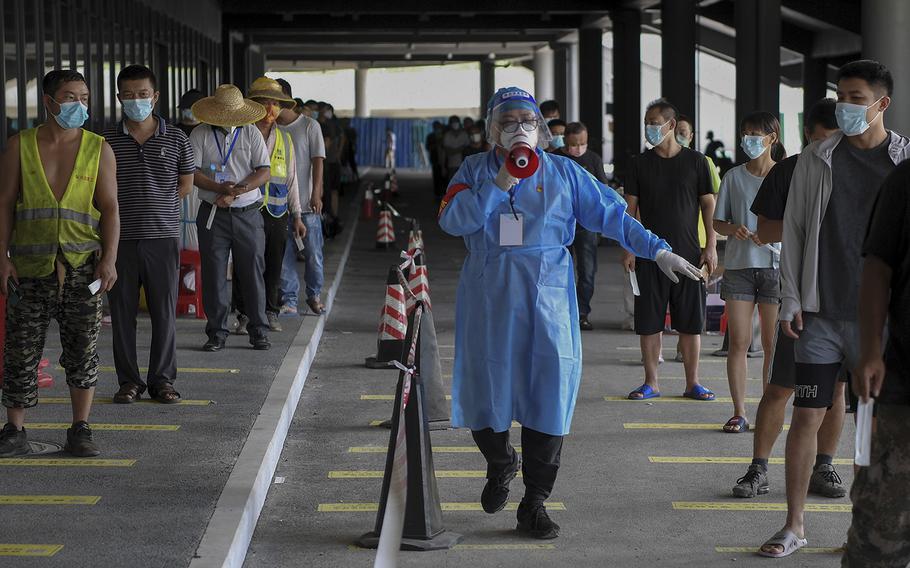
x,y
686,300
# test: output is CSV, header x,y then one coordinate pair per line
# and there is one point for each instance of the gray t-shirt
x,y
857,175
737,192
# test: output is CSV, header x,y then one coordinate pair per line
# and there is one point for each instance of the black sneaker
x,y
13,442
534,521
496,491
585,324
260,342
79,441
755,482
826,482
214,344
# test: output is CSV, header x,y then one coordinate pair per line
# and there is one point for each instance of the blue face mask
x,y
851,118
754,146
71,115
558,141
137,109
682,140
653,135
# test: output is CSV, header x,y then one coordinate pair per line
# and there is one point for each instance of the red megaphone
x,y
522,161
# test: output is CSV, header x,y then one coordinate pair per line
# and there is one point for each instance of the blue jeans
x,y
585,246
313,277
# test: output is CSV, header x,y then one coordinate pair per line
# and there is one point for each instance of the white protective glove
x,y
670,263
504,179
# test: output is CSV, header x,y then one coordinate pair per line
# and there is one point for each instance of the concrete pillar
x,y
677,73
361,103
487,84
543,74
627,113
757,60
591,99
561,78
885,39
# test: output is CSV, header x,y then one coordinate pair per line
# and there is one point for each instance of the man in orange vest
x,y
60,225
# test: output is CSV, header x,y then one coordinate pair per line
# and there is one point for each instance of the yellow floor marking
x,y
65,462
378,473
677,398
504,546
49,499
804,550
191,370
30,549
373,507
387,397
724,459
678,426
727,506
66,400
436,449
107,427
673,349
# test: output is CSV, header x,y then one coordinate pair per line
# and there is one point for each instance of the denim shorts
x,y
759,285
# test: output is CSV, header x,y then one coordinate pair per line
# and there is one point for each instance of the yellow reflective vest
x,y
44,226
275,191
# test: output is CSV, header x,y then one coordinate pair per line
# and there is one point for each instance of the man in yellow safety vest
x,y
59,229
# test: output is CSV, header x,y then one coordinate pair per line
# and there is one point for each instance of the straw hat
x,y
227,108
266,88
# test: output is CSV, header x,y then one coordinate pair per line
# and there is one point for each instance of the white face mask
x,y
507,140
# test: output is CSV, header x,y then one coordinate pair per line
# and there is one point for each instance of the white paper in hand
x,y
634,281
863,455
208,224
299,242
94,287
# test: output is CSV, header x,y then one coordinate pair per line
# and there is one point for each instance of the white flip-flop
x,y
787,540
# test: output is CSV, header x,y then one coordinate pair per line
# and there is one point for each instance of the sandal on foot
x,y
736,425
699,392
316,306
786,540
128,393
165,394
644,392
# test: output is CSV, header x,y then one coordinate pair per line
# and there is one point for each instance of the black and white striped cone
x,y
410,514
392,324
419,283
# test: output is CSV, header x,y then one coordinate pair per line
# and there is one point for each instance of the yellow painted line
x,y
65,462
436,449
45,550
387,397
748,399
671,349
504,546
49,499
724,459
804,550
450,507
189,370
107,427
66,400
378,473
678,426
729,506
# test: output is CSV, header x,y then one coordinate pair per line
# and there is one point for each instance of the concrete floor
x,y
619,504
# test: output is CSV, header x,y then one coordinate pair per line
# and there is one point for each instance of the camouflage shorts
x,y
78,314
879,536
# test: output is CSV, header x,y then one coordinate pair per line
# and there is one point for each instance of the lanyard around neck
x,y
225,157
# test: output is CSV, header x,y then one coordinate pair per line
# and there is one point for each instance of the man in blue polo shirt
x,y
154,171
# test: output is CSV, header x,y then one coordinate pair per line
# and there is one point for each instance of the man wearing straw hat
x,y
280,194
231,163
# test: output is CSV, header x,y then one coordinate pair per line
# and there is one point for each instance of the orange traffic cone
x,y
419,283
385,232
366,210
393,324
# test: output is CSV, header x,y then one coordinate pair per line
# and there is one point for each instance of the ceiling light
x,y
448,56
491,55
408,56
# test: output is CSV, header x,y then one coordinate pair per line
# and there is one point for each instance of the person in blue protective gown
x,y
517,341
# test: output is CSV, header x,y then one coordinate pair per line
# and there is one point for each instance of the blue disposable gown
x,y
517,340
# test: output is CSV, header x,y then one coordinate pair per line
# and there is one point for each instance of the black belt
x,y
256,205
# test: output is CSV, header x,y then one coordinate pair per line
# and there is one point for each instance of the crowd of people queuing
x,y
251,182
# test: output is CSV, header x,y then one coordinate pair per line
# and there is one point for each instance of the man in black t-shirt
x,y
769,206
666,187
585,243
881,492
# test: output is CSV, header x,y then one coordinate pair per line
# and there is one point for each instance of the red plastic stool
x,y
723,322
190,260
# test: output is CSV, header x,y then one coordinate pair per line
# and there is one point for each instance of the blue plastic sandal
x,y
699,392
645,391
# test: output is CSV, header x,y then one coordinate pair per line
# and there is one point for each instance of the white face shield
x,y
513,118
